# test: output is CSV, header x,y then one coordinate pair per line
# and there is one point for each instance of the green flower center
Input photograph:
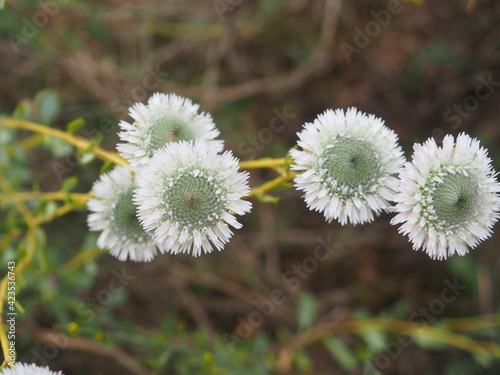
x,y
456,198
194,198
351,162
165,130
123,214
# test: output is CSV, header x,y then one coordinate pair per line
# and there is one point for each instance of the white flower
x,y
187,196
114,213
348,161
25,369
448,199
166,118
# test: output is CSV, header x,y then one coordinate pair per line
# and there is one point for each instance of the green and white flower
x,y
349,162
187,196
449,197
115,214
165,119
25,369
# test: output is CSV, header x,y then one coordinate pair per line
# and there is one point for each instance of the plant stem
x,y
78,142
270,185
262,163
49,196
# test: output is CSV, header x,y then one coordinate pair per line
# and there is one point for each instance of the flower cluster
x,y
352,168
180,192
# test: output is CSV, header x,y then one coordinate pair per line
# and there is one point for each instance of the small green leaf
x,y
302,361
375,339
306,311
6,136
23,111
75,125
59,148
106,167
50,208
2,4
341,352
484,360
283,185
267,198
70,183
94,142
85,158
4,157
48,106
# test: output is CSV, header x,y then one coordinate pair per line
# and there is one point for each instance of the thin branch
x,y
78,142
80,343
320,331
193,305
49,196
262,163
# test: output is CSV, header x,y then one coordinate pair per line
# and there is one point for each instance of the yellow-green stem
x,y
78,142
263,163
270,185
49,196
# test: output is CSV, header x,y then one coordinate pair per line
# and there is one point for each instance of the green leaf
x,y
484,360
50,208
75,125
341,352
302,361
375,339
23,111
58,147
85,158
267,198
94,142
2,4
70,183
6,136
106,167
306,311
283,185
4,158
48,106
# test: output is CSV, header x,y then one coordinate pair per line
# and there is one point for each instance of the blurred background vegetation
x,y
262,68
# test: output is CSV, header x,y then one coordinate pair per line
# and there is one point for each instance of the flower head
x,y
25,369
187,196
165,119
448,199
348,162
114,213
